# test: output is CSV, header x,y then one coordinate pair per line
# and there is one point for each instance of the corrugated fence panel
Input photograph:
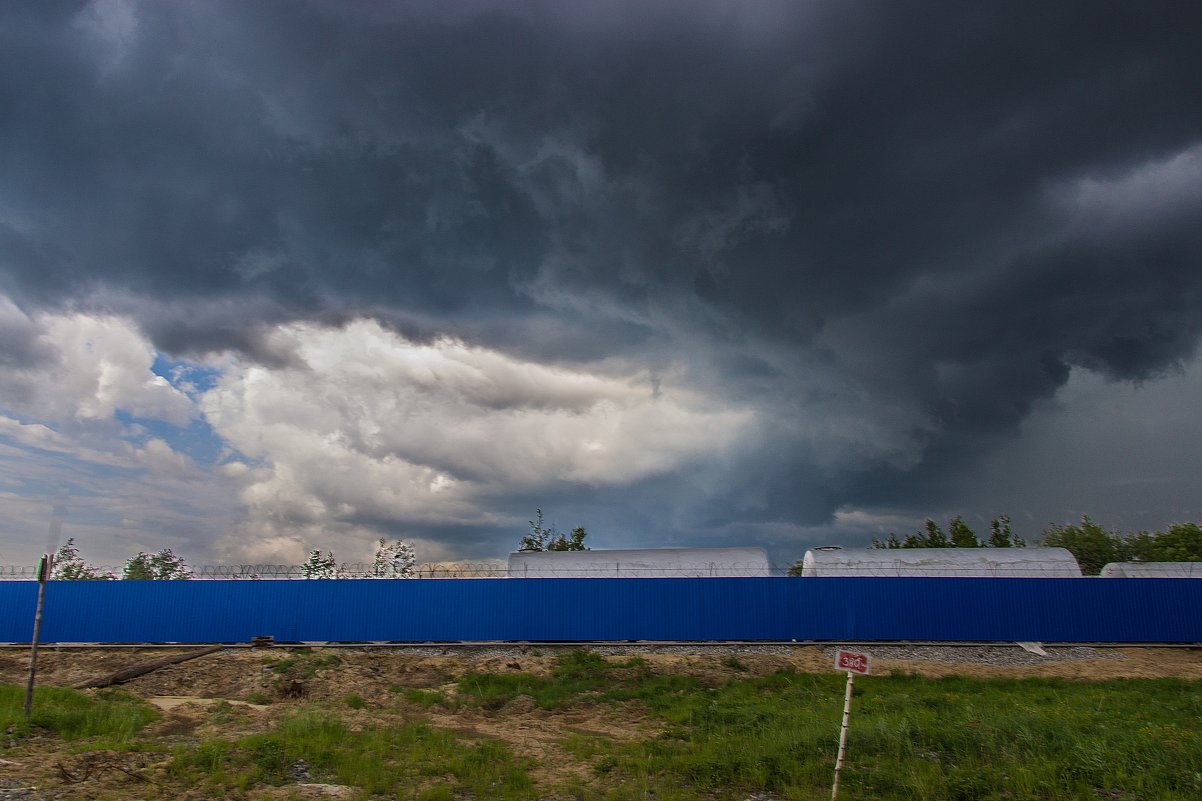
x,y
1045,610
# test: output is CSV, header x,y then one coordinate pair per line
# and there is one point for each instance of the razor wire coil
x,y
361,570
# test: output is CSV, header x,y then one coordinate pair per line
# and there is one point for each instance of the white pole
x,y
843,734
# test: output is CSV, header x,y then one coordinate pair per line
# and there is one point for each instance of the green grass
x,y
424,698
913,738
114,715
574,674
954,739
407,760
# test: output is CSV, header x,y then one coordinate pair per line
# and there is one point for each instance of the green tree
x,y
572,542
1092,545
536,540
70,566
1001,536
1181,543
548,538
393,560
161,566
319,566
934,537
959,535
931,537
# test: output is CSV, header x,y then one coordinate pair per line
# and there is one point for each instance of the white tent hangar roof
x,y
1152,570
959,562
640,563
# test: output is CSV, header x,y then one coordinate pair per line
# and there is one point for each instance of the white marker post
x,y
853,663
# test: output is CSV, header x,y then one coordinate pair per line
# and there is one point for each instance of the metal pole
x,y
43,574
843,734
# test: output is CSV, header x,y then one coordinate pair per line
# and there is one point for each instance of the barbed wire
x,y
903,570
362,570
358,570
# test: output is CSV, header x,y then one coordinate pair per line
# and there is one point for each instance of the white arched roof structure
x,y
959,562
640,563
1152,570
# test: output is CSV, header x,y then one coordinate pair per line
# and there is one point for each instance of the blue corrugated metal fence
x,y
1039,609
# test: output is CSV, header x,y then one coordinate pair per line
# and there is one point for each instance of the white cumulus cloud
x,y
364,425
97,364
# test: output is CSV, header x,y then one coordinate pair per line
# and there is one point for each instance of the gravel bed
x,y
489,651
1000,655
698,649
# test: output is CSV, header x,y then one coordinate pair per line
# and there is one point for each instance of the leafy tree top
x,y
959,535
393,560
161,566
70,566
1091,544
549,538
1094,546
1182,542
319,566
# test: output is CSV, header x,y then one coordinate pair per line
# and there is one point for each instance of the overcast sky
x,y
287,275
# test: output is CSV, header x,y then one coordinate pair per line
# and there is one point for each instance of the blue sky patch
x,y
188,376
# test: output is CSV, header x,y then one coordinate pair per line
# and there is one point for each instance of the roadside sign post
x,y
44,568
853,663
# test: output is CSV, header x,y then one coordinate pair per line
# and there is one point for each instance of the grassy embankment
x,y
911,738
110,719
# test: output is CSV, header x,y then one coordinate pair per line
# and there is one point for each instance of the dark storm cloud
x,y
20,347
937,206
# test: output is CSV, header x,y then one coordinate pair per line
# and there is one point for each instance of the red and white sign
x,y
853,662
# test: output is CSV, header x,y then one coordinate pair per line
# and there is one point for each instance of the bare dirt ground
x,y
246,690
237,673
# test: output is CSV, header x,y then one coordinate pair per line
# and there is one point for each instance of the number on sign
x,y
853,662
